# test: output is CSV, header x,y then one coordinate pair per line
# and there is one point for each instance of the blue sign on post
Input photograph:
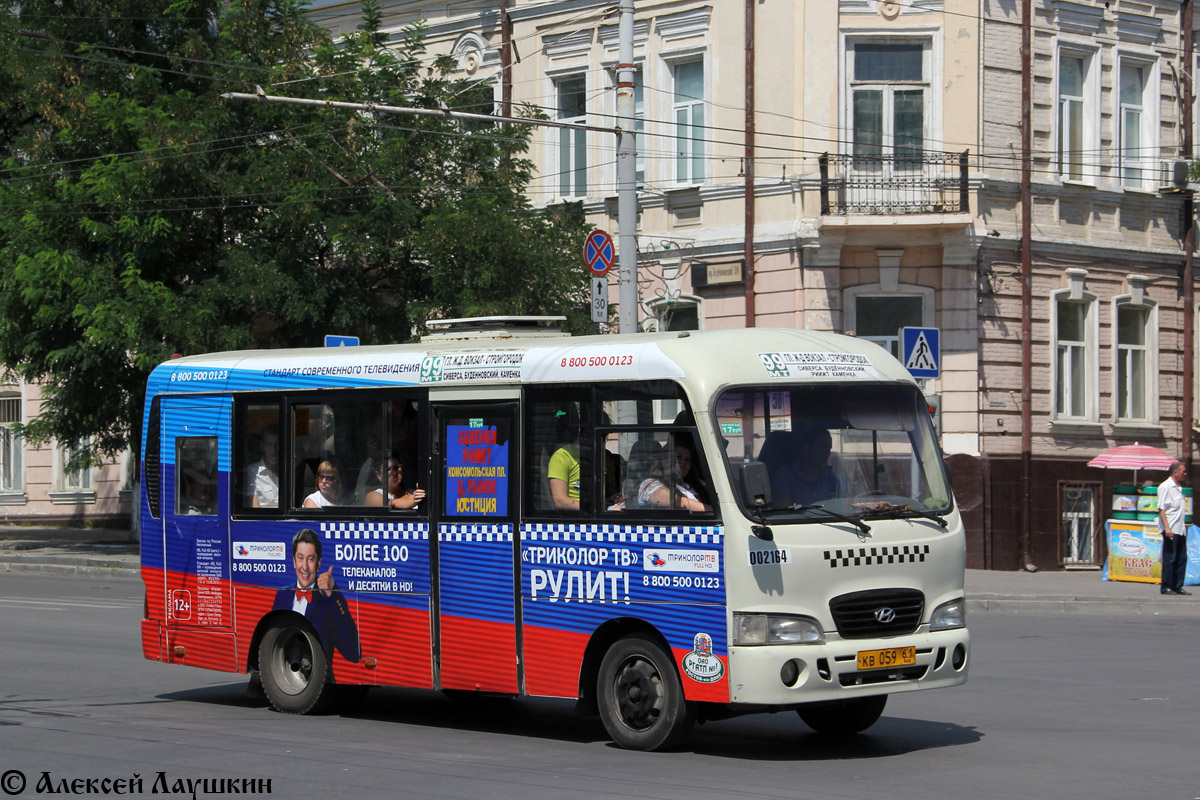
x,y
921,351
340,341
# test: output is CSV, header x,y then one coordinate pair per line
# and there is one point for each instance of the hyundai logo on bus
x,y
884,615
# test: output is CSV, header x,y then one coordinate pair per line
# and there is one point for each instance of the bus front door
x,y
195,493
476,514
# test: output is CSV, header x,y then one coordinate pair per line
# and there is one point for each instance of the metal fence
x,y
908,182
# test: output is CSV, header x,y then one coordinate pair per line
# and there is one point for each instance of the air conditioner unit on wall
x,y
1173,175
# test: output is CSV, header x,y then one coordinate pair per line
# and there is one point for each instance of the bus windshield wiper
x,y
893,511
855,521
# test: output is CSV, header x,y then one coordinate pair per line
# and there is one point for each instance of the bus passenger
x,y
262,477
808,478
329,487
687,478
398,496
657,490
563,471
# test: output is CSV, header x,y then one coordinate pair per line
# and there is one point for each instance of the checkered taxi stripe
x,y
876,556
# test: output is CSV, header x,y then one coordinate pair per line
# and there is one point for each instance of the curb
x,y
1077,606
71,565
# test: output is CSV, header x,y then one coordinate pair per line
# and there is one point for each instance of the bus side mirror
x,y
756,485
756,489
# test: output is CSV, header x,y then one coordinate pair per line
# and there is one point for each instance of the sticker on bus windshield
x,y
818,365
476,472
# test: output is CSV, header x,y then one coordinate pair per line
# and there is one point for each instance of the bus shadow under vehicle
x,y
756,737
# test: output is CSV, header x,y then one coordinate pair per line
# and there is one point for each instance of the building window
x,y
74,480
1135,126
1074,358
888,103
1076,115
1078,523
879,318
572,142
12,462
689,121
1135,362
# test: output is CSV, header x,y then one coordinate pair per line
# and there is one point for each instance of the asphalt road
x,y
1058,706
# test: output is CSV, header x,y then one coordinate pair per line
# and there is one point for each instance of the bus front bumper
x,y
789,674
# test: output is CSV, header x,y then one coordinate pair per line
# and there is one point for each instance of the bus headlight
x,y
751,629
948,616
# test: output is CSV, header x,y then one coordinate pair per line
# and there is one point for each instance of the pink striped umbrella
x,y
1133,456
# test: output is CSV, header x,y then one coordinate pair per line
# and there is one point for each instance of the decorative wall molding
x,y
684,25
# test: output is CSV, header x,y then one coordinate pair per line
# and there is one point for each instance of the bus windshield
x,y
857,450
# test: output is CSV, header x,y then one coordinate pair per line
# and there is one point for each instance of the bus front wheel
x,y
843,716
640,697
294,671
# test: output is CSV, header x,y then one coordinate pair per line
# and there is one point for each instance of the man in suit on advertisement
x,y
315,596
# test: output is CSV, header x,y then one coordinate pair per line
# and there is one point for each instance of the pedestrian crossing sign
x,y
922,351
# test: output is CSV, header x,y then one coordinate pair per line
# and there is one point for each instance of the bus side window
x,y
196,476
560,473
259,482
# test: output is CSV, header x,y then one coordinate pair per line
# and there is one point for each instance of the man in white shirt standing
x,y
1170,519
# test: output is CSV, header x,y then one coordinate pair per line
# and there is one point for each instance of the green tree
x,y
142,215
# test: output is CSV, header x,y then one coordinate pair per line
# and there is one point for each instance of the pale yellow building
x,y
886,195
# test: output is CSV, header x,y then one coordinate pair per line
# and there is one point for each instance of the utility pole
x,y
1026,286
748,245
627,203
1189,246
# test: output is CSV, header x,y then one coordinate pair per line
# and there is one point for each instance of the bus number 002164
x,y
682,581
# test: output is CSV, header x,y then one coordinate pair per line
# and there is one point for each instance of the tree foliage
x,y
143,215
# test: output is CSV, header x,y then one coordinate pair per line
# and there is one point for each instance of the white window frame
x,y
71,487
1088,165
12,450
555,154
1089,352
851,295
931,69
1150,400
1146,163
667,109
1073,538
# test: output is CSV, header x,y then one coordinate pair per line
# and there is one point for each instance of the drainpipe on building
x,y
748,253
1189,245
1026,289
506,85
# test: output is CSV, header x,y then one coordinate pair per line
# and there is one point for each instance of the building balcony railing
x,y
909,182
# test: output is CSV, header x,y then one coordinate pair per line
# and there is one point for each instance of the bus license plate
x,y
890,657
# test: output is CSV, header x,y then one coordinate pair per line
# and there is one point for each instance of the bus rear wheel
x,y
294,671
843,717
640,697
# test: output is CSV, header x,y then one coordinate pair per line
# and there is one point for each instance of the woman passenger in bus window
x,y
657,490
686,475
329,487
398,496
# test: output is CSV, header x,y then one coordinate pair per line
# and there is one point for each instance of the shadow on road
x,y
758,737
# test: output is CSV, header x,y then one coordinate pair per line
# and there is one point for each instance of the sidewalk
x,y
112,553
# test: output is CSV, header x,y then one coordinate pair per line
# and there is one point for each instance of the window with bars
x,y
1078,522
12,447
